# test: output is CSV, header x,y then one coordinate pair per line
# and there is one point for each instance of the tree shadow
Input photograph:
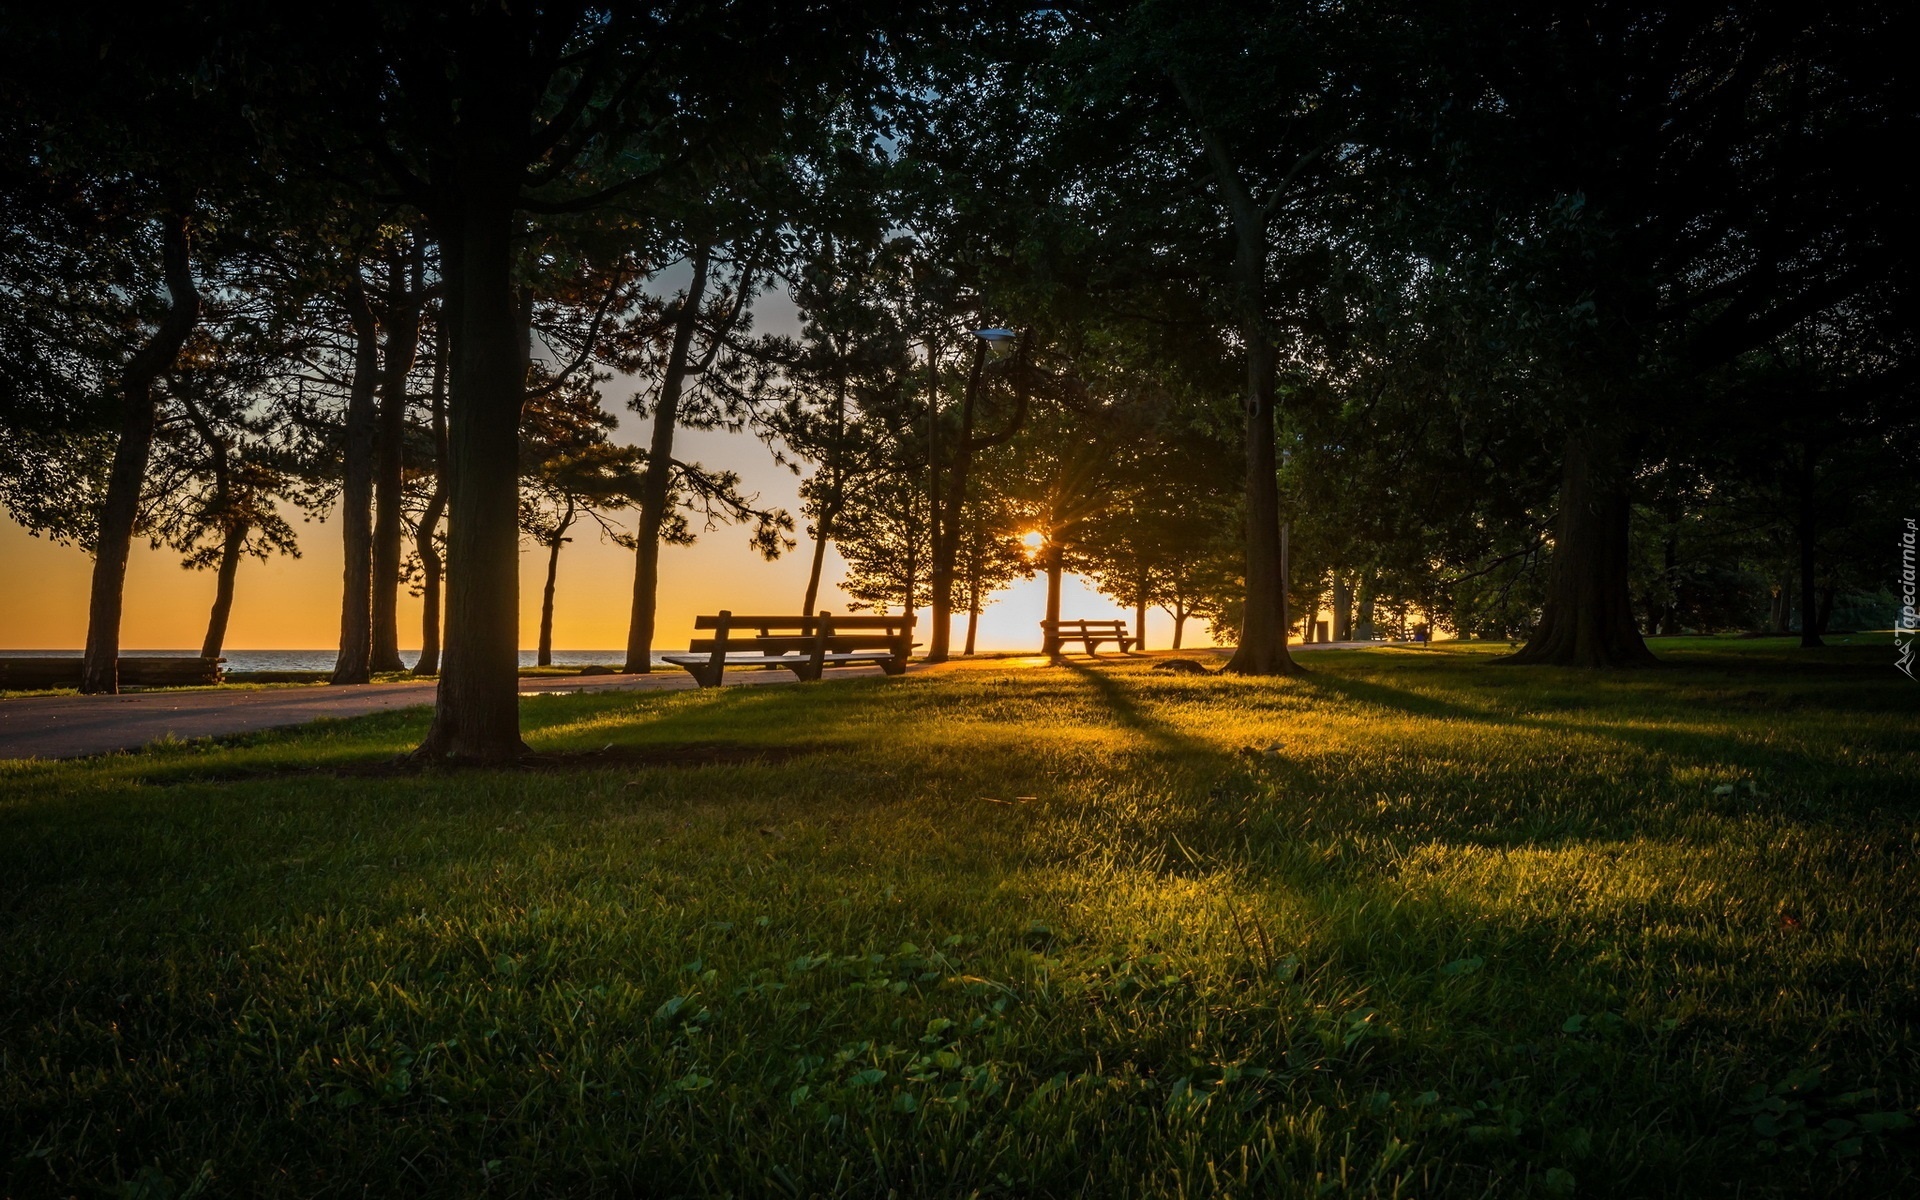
x,y
1129,713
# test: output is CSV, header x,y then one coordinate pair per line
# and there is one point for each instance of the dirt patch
x,y
1181,666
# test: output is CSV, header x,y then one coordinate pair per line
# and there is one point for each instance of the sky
x,y
294,603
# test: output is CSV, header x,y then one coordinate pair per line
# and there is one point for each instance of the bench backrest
x,y
1093,626
817,636
172,670
803,624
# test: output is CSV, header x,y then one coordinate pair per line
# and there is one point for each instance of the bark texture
x,y
426,533
544,655
230,549
1588,620
946,547
120,508
402,321
1342,606
1263,624
1808,535
355,659
1050,642
656,483
477,708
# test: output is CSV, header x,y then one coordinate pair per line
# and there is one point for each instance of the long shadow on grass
x,y
1127,712
1652,723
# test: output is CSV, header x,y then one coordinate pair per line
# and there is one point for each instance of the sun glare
x,y
1033,539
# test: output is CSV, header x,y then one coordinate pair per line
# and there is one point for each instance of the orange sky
x,y
294,604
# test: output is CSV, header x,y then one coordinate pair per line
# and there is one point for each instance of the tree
x,y
116,179
852,356
211,490
1156,102
1663,191
698,378
483,119
571,472
1162,527
400,302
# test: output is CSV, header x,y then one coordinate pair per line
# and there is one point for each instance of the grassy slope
x,y
1451,930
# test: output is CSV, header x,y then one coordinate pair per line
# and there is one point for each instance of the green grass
x,y
1412,925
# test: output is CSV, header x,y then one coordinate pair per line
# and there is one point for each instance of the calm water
x,y
322,660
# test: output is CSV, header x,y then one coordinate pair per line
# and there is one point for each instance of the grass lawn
x,y
1409,925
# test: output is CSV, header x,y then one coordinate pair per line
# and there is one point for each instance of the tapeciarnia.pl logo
x,y
1909,623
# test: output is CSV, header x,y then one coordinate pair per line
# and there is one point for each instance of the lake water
x,y
322,660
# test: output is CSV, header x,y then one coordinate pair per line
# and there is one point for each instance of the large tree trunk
x,y
120,508
947,512
973,611
1670,581
1342,605
354,663
1263,625
1179,626
1363,626
911,585
477,707
830,510
1140,615
1808,536
1588,620
1050,641
1780,613
231,547
233,541
425,533
822,531
545,654
656,483
402,321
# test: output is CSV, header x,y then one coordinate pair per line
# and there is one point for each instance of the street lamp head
x,y
999,341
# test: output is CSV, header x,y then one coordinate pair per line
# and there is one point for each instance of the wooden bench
x,y
30,674
1090,634
804,645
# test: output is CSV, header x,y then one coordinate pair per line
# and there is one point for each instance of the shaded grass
x,y
1408,925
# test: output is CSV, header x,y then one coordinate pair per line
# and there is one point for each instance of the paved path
x,y
70,726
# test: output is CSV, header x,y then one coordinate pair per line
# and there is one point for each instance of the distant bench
x,y
803,645
1091,633
29,674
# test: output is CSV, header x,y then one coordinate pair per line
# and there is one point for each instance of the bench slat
x,y
804,624
149,671
778,645
801,643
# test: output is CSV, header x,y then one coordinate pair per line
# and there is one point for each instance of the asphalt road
x,y
72,726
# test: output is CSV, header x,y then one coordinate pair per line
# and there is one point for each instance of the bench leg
x,y
703,674
894,666
806,672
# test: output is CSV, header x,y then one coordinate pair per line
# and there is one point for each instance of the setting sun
x,y
1033,539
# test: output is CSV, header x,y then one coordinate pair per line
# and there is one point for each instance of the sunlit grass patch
x,y
1410,924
